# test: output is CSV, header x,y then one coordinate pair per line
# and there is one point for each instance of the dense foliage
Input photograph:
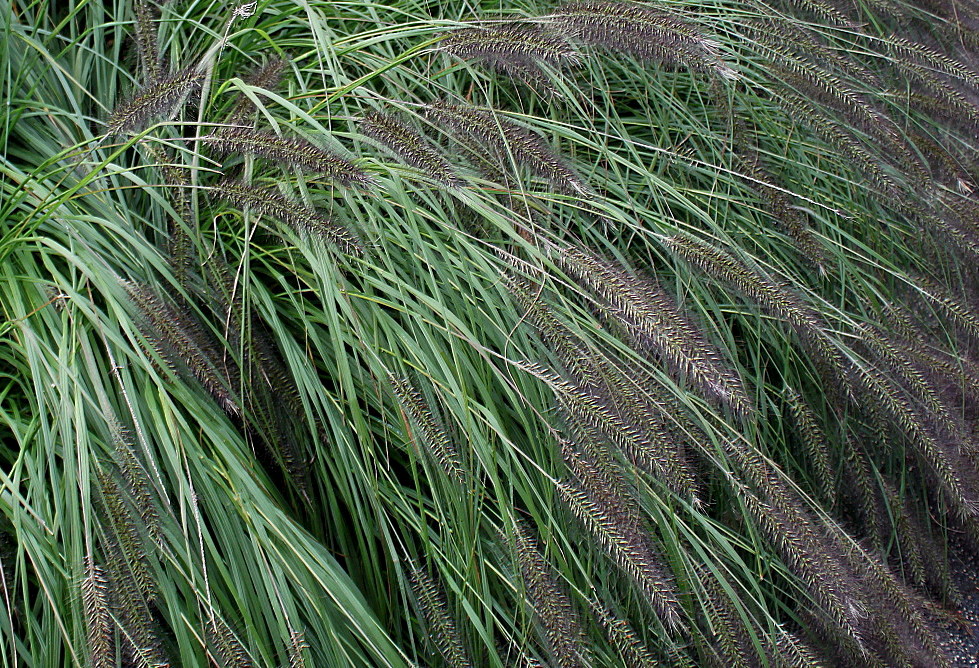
x,y
595,334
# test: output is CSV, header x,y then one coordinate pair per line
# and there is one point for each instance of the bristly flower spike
x,y
292,151
410,146
295,214
159,99
509,142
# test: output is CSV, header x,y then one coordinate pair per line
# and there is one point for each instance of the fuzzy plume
x,y
555,612
121,523
957,479
814,443
727,625
623,637
297,649
604,483
657,325
98,618
230,652
440,446
294,151
516,49
630,550
178,336
642,32
293,213
780,207
161,98
146,42
441,626
267,76
776,297
805,552
137,483
792,652
601,396
410,146
509,142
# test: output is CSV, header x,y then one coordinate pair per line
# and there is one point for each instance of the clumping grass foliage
x,y
600,333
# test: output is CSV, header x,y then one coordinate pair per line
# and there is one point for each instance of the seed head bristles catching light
x,y
297,649
283,151
146,42
728,626
516,49
178,336
230,651
267,76
442,448
631,552
597,395
410,146
98,618
295,214
642,32
805,552
509,141
623,637
161,98
441,627
554,610
814,443
656,325
137,482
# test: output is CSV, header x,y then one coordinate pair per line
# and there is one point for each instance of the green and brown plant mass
x,y
469,334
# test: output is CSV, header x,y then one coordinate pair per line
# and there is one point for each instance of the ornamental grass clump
x,y
592,333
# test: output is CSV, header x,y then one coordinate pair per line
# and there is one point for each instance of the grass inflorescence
x,y
600,333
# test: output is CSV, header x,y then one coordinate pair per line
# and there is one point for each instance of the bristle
x,y
642,32
267,76
137,483
656,324
177,335
410,146
957,479
98,619
630,551
604,484
726,623
509,141
516,49
294,151
121,522
776,297
297,649
907,541
441,626
600,396
625,639
902,605
160,99
806,554
792,652
891,356
780,207
231,653
555,612
841,138
442,448
139,632
814,443
271,203
146,43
